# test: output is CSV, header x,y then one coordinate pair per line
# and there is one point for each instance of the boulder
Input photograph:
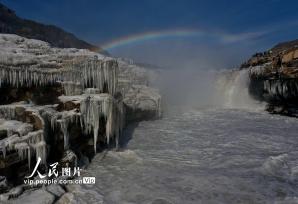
x,y
67,198
39,196
83,194
55,189
69,159
142,103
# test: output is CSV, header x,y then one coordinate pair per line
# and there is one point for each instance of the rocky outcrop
x,y
64,104
11,23
274,78
142,103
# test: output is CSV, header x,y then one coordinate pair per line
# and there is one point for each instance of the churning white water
x,y
232,91
203,156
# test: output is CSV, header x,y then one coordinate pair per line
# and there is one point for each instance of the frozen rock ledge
x,y
64,104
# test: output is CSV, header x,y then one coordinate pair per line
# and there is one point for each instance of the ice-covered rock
x,y
69,98
27,62
55,189
142,103
39,196
21,136
93,108
82,194
68,198
12,193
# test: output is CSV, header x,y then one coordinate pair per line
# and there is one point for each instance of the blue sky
x,y
246,26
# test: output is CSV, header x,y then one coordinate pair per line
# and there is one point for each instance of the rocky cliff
x,y
274,77
57,37
64,104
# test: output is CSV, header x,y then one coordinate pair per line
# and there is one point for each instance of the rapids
x,y
233,153
203,156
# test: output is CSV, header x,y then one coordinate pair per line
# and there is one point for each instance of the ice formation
x,y
61,121
93,98
144,98
73,76
25,145
26,63
281,88
72,88
272,86
93,108
21,136
24,151
67,118
259,70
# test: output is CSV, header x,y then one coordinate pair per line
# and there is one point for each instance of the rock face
x,y
62,104
274,77
11,23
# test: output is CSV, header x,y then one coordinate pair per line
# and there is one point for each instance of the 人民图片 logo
x,y
53,176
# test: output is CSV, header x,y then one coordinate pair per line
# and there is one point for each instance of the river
x,y
202,156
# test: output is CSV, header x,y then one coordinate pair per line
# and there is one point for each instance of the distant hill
x,y
57,37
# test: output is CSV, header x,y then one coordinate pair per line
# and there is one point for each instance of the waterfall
x,y
232,91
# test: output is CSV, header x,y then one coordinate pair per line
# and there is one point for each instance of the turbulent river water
x,y
203,156
233,154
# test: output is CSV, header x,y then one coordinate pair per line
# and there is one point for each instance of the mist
x,y
188,73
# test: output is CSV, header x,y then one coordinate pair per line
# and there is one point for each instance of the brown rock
x,y
34,119
290,56
20,110
69,105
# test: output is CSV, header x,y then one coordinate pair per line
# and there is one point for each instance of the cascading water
x,y
232,91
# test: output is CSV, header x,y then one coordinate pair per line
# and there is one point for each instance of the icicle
x,y
33,137
24,151
72,88
91,91
8,112
40,150
67,118
64,129
3,148
94,107
25,129
10,141
88,73
95,135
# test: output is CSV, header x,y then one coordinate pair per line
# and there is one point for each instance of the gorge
x,y
144,134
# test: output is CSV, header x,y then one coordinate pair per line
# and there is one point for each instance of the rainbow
x,y
156,35
153,35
